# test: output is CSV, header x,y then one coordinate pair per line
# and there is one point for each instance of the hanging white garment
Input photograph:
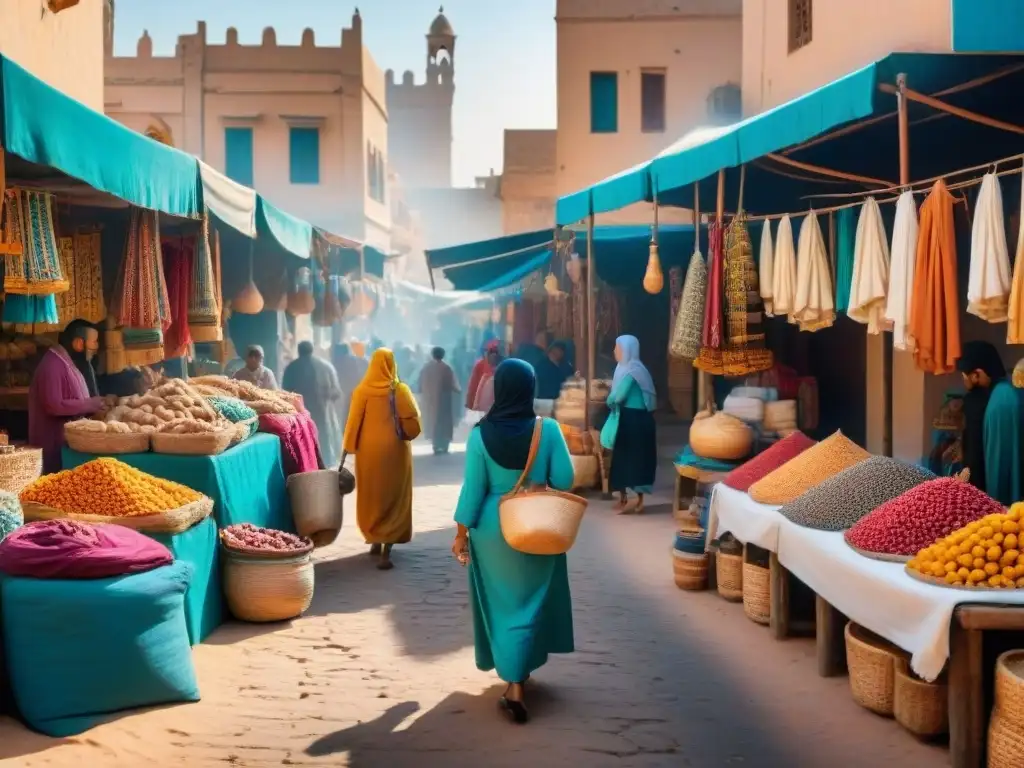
x,y
765,269
814,307
784,269
1015,309
901,271
988,287
870,270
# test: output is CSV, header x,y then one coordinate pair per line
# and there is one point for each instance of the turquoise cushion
x,y
79,651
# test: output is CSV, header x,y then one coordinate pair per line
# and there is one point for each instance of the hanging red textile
x,y
178,255
710,358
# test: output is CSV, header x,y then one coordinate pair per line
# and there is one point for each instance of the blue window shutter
x,y
304,153
238,155
604,102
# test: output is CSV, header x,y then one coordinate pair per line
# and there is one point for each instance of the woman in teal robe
x,y
630,433
522,609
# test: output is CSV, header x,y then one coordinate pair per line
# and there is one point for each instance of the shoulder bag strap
x,y
534,445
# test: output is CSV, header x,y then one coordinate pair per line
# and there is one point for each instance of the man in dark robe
x,y
438,387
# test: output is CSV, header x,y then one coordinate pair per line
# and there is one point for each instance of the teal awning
x,y
619,250
48,128
939,143
290,232
987,26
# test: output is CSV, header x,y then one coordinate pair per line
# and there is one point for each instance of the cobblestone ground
x,y
380,672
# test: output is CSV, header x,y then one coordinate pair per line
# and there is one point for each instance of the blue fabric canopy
x,y
939,143
618,249
48,128
290,232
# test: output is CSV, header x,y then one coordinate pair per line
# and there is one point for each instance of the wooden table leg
x,y
966,697
677,499
779,603
829,626
713,568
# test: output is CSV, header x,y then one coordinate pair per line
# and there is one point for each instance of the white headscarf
x,y
631,366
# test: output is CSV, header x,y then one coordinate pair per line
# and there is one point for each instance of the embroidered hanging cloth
x,y
935,307
845,245
744,350
1015,310
784,270
870,270
766,267
710,358
178,256
813,306
689,324
988,287
901,271
140,293
29,221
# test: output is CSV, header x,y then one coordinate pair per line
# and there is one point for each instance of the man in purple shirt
x,y
59,392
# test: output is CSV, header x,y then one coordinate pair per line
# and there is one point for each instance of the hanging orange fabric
x,y
935,308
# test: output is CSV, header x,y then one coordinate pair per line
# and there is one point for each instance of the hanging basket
x,y
248,301
301,300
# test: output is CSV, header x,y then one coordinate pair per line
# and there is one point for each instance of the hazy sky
x,y
504,55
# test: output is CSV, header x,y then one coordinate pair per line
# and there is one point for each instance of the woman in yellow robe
x,y
382,420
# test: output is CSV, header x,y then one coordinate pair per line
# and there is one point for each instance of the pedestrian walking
x,y
437,387
522,609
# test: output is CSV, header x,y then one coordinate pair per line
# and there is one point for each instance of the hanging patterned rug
x,y
29,220
140,293
205,301
689,322
709,359
744,351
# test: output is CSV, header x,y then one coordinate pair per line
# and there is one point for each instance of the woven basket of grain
x,y
1009,693
729,574
690,571
171,521
20,467
106,443
756,593
1005,743
198,444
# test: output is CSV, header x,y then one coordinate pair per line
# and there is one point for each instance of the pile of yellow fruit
x,y
985,553
110,488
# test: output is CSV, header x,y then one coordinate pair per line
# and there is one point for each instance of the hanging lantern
x,y
654,280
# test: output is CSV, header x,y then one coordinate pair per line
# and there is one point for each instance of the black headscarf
x,y
507,429
978,355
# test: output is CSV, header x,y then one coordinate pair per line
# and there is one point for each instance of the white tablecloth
x,y
735,512
877,595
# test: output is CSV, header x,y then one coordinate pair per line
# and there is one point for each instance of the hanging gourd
x,y
248,301
300,299
653,279
363,303
551,285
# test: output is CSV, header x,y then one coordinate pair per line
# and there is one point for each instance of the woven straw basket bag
x,y
539,521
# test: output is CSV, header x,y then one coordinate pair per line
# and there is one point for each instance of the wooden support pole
x,y
702,378
966,699
831,173
591,320
966,114
779,600
831,642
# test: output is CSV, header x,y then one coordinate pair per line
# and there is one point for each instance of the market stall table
x,y
246,482
247,485
934,624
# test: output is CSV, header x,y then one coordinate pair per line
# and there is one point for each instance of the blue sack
x,y
79,651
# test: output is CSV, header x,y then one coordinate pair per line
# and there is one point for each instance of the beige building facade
x,y
633,76
63,48
306,125
791,47
529,180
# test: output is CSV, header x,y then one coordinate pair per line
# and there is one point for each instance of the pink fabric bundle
x,y
300,443
68,549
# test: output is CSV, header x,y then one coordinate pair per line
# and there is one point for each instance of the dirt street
x,y
380,672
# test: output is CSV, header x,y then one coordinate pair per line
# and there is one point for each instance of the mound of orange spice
x,y
108,487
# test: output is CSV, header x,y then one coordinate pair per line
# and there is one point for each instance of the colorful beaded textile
x,y
36,271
